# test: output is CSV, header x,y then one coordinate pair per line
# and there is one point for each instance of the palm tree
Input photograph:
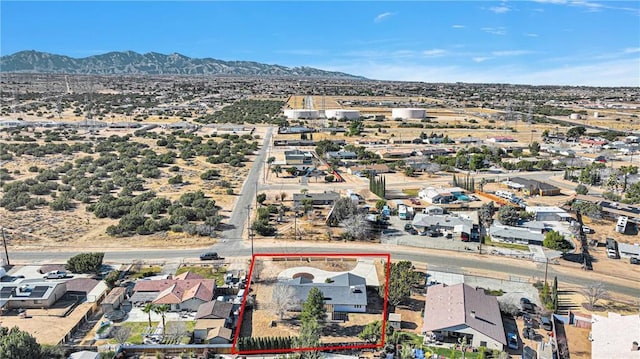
x,y
148,309
161,309
277,169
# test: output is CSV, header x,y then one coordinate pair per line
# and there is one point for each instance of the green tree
x,y
576,132
380,204
313,307
582,189
85,262
148,308
372,332
162,309
632,195
16,344
555,240
401,278
260,198
508,215
534,148
486,213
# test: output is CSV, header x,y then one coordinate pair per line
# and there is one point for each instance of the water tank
x,y
301,114
408,113
342,114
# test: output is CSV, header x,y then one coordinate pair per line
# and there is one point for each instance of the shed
x,y
114,299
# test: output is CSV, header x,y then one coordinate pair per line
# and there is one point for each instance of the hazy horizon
x,y
544,42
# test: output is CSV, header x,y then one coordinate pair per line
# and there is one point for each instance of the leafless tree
x,y
283,299
356,226
121,334
594,293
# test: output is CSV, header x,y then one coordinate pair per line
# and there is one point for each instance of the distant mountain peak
x,y
151,63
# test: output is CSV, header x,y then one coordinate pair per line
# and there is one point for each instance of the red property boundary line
x,y
385,256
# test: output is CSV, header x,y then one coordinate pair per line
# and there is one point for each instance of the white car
x,y
587,230
56,274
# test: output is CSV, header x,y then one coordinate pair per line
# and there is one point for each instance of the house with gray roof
x,y
456,224
457,311
346,292
318,199
533,233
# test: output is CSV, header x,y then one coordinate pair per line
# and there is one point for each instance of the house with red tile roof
x,y
183,292
457,311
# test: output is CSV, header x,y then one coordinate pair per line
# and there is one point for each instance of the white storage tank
x,y
302,114
408,113
342,114
596,114
575,116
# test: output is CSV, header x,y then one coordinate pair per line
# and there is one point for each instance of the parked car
x,y
56,274
512,341
587,230
528,333
634,260
209,256
545,323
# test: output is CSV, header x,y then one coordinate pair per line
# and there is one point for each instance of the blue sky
x,y
557,42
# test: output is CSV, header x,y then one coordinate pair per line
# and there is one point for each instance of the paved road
x,y
436,260
238,221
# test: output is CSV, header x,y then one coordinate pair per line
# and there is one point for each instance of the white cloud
x,y
500,9
457,26
495,30
434,52
631,50
481,58
612,73
589,6
511,53
382,16
531,35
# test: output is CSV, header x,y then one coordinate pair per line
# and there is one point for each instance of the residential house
x,y
36,294
341,155
297,157
519,235
463,227
549,213
615,336
184,292
211,331
398,153
457,311
433,211
534,187
501,139
318,199
442,195
375,168
346,292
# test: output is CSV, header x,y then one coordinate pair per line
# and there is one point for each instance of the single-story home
x,y
297,157
375,168
186,291
346,292
628,250
442,195
456,224
31,295
520,235
457,311
341,155
318,199
211,331
534,187
549,213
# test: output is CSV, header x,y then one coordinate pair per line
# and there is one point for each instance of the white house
x,y
346,292
441,195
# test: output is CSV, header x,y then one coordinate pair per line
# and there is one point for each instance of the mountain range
x,y
152,63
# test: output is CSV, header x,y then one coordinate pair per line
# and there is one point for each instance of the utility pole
x,y
546,267
249,236
4,242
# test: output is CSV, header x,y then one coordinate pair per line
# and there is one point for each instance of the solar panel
x,y
5,292
39,291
